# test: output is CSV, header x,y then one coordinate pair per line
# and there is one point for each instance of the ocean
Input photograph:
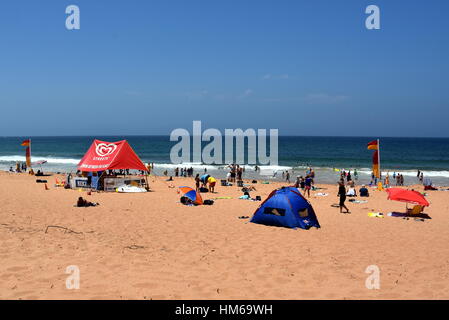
x,y
296,154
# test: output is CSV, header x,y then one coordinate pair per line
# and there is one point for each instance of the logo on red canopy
x,y
104,149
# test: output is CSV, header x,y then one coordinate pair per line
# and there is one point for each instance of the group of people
x,y
184,172
205,181
235,172
20,167
305,183
399,179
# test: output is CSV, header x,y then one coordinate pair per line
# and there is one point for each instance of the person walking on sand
x,y
287,176
342,194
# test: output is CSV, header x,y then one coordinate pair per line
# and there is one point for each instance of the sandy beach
x,y
149,246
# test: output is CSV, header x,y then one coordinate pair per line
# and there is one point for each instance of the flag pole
x,y
378,158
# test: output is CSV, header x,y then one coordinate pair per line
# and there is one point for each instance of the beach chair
x,y
415,210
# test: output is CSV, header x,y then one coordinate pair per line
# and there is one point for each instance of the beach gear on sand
x,y
357,201
286,207
192,195
130,189
375,215
321,194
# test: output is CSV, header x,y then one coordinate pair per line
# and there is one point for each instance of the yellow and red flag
x,y
376,163
373,145
27,143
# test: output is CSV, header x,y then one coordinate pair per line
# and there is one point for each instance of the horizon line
x,y
166,135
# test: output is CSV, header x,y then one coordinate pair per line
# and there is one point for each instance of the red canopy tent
x,y
103,155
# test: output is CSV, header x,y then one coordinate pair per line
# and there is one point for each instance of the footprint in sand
x,y
17,268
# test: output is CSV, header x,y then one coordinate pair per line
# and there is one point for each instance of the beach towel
x,y
375,215
357,201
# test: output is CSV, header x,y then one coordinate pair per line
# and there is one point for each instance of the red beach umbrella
x,y
408,196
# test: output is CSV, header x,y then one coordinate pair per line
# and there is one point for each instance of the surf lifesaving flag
x,y
27,143
374,145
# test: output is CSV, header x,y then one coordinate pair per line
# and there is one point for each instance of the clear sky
x,y
148,67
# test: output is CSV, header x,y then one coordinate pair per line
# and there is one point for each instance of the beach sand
x,y
149,246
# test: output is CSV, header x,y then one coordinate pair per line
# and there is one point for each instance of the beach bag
x,y
224,183
258,198
254,181
208,202
240,183
204,190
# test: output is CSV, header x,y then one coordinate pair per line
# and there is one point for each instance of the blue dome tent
x,y
286,207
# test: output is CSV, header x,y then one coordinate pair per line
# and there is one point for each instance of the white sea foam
x,y
49,160
412,173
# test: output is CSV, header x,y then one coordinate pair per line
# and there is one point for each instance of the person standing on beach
x,y
308,185
342,194
287,176
348,177
387,181
356,175
197,182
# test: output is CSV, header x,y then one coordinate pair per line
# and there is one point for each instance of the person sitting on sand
x,y
351,192
246,196
84,203
364,191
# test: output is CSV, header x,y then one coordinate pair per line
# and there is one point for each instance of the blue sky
x,y
148,67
